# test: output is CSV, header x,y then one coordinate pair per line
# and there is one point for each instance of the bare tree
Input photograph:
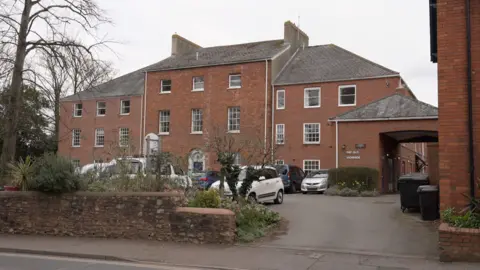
x,y
68,71
32,26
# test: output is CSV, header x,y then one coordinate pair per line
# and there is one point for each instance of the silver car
x,y
316,181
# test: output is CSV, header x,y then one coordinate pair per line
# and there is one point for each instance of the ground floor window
x,y
311,165
279,162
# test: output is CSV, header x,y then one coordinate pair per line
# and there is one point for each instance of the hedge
x,y
358,178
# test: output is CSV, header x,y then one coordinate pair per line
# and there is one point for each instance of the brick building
x,y
455,43
284,93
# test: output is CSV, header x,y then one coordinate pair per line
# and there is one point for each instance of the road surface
x,y
29,262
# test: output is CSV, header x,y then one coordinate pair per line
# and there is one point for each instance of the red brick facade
x,y
214,102
452,99
111,123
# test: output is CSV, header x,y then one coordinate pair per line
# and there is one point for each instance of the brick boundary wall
x,y
459,244
143,215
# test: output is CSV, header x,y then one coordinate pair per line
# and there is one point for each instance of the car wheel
x,y
279,199
251,198
304,192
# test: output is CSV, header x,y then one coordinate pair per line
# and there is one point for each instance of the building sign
x,y
352,154
360,146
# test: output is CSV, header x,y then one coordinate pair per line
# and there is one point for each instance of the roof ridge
x,y
419,101
365,59
238,44
285,65
365,105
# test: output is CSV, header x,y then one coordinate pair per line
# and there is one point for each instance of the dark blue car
x,y
205,180
292,177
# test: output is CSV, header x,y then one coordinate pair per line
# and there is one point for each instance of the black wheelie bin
x,y
429,202
408,185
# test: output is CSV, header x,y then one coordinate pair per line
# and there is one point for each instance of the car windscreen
x,y
318,174
281,169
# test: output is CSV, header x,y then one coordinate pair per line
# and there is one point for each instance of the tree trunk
x,y
57,118
15,93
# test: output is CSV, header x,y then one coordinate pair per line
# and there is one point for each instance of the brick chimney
x,y
181,45
402,89
294,36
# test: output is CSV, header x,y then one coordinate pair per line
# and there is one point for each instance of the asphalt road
x,y
372,225
31,262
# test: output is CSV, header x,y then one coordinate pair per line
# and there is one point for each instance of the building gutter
x,y
471,147
266,107
385,119
338,80
144,113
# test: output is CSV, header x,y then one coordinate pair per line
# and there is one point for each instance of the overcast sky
x,y
392,33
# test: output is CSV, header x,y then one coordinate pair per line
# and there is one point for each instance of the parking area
x,y
370,225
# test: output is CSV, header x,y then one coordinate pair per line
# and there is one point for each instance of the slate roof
x,y
133,83
326,63
221,55
389,108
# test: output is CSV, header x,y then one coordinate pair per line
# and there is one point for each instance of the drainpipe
x,y
471,149
144,109
336,144
273,123
266,107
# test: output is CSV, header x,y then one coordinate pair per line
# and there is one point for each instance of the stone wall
x,y
114,215
459,244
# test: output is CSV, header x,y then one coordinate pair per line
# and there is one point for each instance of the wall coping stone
x,y
205,211
445,227
91,194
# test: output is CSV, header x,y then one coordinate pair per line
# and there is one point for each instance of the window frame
x,y
96,137
310,160
340,88
308,89
279,162
193,84
123,107
120,137
75,110
276,134
161,86
277,105
230,81
79,137
228,119
319,133
193,123
160,132
104,108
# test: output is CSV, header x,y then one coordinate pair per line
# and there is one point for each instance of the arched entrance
x,y
196,161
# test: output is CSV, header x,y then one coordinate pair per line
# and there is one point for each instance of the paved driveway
x,y
370,225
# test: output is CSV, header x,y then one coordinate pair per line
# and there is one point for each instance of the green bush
x,y
22,173
347,192
55,174
206,199
332,191
468,219
253,220
357,178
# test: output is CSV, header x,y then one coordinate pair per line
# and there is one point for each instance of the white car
x,y
268,188
134,166
316,181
